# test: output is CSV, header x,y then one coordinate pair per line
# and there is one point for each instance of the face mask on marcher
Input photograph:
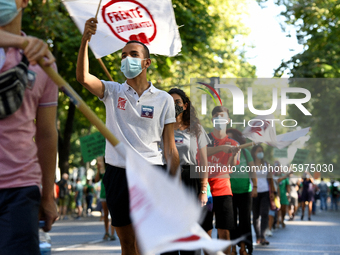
x,y
178,109
260,155
220,123
131,67
8,11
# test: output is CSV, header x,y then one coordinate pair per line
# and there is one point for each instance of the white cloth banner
x,y
163,212
286,139
262,130
150,22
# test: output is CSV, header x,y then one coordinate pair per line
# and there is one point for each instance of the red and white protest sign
x,y
119,21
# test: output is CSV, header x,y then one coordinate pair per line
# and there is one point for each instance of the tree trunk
x,y
65,141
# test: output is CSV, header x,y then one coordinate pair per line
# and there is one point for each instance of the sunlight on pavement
x,y
74,233
312,223
296,251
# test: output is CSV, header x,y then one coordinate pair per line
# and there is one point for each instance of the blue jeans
x,y
19,208
335,203
323,200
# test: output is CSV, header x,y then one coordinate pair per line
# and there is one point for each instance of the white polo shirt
x,y
136,121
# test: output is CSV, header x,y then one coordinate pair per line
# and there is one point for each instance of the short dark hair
x,y
146,51
220,109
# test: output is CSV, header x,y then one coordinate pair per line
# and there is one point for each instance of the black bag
x,y
13,83
62,188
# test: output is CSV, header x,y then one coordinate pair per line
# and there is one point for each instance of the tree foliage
x,y
209,31
317,23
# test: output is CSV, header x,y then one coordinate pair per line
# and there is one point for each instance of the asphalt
x,y
319,236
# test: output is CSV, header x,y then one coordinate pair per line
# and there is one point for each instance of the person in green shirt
x,y
283,190
243,192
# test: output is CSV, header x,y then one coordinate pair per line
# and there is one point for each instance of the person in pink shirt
x,y
28,140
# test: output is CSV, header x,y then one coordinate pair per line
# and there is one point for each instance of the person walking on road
x,y
89,193
261,203
323,194
294,196
334,196
140,116
307,195
63,196
223,153
79,198
191,142
243,192
28,135
284,189
102,196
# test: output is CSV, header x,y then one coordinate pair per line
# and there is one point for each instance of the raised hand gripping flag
x,y
119,21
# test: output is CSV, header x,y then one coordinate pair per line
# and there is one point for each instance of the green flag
x,y
92,146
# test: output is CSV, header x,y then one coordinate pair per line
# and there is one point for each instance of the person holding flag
x,y
223,153
140,116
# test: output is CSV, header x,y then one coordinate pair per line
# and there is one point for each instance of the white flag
x,y
286,139
262,130
148,21
164,214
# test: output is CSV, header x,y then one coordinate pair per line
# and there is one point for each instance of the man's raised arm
x,y
89,81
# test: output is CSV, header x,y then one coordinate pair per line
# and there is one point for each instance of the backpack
x,y
62,188
335,191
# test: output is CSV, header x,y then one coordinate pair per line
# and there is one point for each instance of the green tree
x,y
317,23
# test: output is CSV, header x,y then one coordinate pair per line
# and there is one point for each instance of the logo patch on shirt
x,y
147,111
121,103
179,139
31,79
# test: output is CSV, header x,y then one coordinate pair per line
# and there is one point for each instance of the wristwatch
x,y
203,192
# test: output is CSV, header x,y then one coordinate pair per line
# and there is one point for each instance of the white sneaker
x,y
269,233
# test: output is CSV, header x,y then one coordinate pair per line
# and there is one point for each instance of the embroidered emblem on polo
x,y
147,111
179,139
121,103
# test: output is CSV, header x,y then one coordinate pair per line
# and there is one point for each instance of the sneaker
x,y
106,237
269,233
113,238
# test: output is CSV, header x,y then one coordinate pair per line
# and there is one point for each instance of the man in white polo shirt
x,y
139,115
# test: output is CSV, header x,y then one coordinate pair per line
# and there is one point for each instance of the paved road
x,y
320,236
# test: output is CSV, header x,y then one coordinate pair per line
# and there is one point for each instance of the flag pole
x,y
100,2
99,59
247,145
79,103
77,100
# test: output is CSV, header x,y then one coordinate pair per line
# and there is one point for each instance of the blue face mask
x,y
260,155
219,124
8,11
131,67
